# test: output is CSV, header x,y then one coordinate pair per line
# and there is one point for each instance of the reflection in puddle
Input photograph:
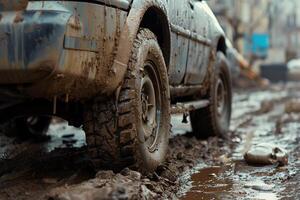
x,y
208,183
230,182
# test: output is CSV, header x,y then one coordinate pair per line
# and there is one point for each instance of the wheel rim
x,y
221,96
150,106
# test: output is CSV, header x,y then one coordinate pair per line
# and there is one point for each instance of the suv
x,y
117,68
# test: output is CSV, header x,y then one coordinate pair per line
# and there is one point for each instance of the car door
x,y
179,13
199,46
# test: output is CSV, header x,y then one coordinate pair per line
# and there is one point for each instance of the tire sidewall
x,y
221,71
149,51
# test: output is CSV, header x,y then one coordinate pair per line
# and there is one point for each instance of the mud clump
x,y
127,184
60,174
292,106
265,107
106,185
265,154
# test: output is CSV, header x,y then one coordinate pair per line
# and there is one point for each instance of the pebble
x,y
119,193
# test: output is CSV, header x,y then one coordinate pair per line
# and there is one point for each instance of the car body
x,y
63,47
115,67
233,58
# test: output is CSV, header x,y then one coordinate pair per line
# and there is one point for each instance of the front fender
x,y
129,32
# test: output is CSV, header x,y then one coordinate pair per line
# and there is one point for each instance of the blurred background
x,y
266,33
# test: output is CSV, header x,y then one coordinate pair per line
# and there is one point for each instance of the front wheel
x,y
214,120
135,130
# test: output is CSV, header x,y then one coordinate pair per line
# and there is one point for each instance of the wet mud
x,y
256,118
194,169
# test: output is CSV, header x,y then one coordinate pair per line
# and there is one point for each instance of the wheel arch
x,y
221,45
139,15
160,29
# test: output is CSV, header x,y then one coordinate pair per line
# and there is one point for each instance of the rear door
x,y
199,47
179,13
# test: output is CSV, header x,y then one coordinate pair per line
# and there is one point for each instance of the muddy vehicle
x,y
117,68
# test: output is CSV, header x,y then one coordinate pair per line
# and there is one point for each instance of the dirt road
x,y
208,169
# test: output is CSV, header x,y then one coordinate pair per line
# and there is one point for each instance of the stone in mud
x,y
224,159
292,106
169,173
154,187
131,174
171,176
148,194
259,186
265,154
265,107
119,193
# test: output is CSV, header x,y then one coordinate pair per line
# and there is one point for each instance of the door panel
x,y
199,46
179,16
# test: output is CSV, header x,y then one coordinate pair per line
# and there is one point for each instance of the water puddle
x,y
235,181
208,183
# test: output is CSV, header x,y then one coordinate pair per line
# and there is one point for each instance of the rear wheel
x,y
32,127
133,131
214,120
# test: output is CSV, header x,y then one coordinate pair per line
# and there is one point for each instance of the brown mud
x,y
194,169
256,118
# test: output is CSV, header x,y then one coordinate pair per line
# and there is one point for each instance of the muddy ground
x,y
194,169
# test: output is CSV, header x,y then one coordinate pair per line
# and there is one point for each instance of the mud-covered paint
x,y
30,43
10,5
122,4
60,48
81,49
130,30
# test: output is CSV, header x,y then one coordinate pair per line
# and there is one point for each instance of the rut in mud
x,y
194,169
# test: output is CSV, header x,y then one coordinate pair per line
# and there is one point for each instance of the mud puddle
x,y
208,184
258,120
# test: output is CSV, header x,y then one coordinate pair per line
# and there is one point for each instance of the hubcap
x,y
150,106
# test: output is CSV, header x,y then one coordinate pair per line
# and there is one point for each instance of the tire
x,y
214,120
134,130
